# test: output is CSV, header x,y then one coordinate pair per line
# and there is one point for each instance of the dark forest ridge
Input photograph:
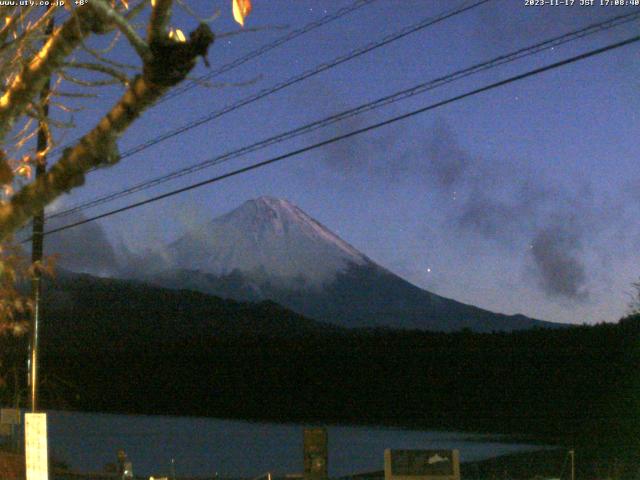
x,y
131,348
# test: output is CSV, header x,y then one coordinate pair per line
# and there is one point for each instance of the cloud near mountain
x,y
269,249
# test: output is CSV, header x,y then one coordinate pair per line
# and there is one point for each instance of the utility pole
x,y
38,234
572,453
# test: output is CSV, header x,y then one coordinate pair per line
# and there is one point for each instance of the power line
x,y
264,49
401,95
258,52
427,22
360,131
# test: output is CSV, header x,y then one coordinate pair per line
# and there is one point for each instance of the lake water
x,y
204,446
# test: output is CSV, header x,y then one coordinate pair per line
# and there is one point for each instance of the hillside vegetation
x,y
116,347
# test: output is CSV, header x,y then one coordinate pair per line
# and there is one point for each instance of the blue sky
x,y
518,200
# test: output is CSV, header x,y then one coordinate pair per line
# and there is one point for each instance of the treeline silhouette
x,y
112,346
572,386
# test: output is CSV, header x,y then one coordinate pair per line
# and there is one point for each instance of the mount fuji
x,y
267,239
269,249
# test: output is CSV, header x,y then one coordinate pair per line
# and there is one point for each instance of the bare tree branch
x,y
172,62
75,95
185,6
87,83
35,73
109,15
99,55
159,20
136,10
98,67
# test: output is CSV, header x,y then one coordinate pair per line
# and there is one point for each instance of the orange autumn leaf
x,y
241,10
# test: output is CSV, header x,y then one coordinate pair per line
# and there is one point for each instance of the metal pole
x,y
37,241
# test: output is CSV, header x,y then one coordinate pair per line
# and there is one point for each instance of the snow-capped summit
x,y
269,249
269,239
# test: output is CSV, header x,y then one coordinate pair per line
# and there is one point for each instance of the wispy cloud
x,y
84,248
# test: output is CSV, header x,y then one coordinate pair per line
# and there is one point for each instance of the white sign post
x,y
36,453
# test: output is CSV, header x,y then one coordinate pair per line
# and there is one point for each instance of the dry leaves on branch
x,y
241,10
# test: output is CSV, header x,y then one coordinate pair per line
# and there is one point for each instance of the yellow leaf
x,y
24,171
241,10
180,36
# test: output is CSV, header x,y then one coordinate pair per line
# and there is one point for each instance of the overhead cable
x,y
378,103
360,131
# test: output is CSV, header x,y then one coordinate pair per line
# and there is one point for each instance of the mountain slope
x,y
269,239
270,249
359,297
85,313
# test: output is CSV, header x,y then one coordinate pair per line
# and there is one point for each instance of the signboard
x,y
316,454
35,438
9,416
421,465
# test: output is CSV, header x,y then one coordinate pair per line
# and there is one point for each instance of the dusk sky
x,y
523,199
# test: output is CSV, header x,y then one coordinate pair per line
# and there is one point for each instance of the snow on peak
x,y
270,239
